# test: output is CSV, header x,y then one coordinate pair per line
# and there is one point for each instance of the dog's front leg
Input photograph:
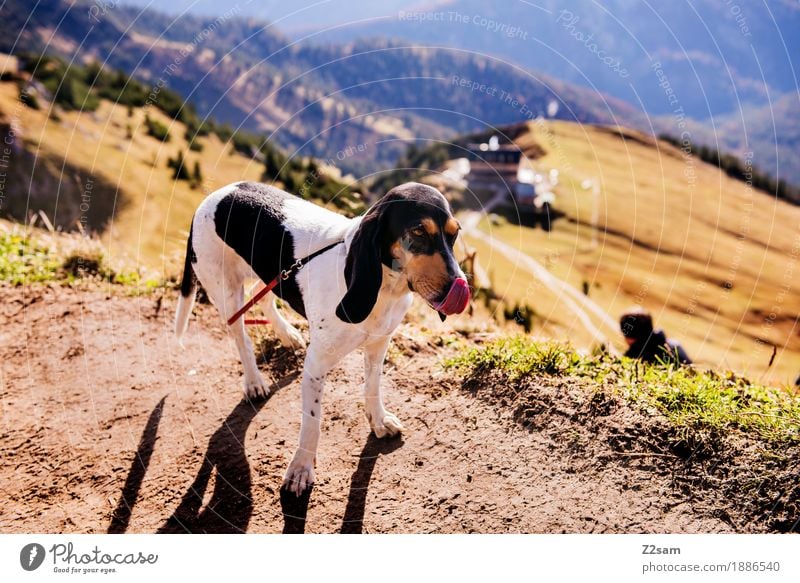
x,y
380,420
300,474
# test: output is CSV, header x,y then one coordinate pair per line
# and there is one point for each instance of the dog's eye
x,y
418,232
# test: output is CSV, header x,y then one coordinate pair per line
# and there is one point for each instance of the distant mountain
x,y
706,65
295,16
716,62
357,103
715,54
768,136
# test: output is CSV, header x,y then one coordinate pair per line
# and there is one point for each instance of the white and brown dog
x,y
353,295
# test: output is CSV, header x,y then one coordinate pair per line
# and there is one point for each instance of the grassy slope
x,y
670,246
152,226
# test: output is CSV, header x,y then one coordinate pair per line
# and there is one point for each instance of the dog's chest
x,y
389,311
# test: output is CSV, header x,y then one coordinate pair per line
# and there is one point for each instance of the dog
x,y
354,289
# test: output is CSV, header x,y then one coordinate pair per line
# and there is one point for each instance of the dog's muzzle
x,y
456,299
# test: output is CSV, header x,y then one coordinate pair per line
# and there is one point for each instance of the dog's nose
x,y
456,299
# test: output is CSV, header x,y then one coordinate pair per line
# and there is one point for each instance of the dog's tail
x,y
188,290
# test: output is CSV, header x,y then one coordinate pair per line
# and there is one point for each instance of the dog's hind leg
x,y
223,281
289,336
254,386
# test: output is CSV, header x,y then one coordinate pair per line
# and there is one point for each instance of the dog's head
x,y
411,231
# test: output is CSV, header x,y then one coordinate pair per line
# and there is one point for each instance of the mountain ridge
x,y
720,61
315,99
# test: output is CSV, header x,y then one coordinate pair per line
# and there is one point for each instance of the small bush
x,y
86,265
247,144
156,129
224,132
178,165
28,98
197,175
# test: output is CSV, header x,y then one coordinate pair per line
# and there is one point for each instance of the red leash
x,y
254,300
284,275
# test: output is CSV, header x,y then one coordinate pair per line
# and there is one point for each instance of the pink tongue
x,y
456,300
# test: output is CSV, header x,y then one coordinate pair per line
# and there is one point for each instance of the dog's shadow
x,y
295,508
353,520
231,504
121,517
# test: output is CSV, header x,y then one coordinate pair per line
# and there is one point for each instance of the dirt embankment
x,y
108,426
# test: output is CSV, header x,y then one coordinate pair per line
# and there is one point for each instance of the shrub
x,y
86,265
178,165
197,175
72,93
247,144
195,146
156,129
28,98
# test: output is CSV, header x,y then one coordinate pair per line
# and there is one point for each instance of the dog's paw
x,y
387,427
299,476
292,339
255,389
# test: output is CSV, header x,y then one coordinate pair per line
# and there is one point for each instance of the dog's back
x,y
262,225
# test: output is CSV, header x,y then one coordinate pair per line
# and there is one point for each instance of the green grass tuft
x,y
517,357
23,261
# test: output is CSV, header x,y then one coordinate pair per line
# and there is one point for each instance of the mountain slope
x,y
104,165
319,99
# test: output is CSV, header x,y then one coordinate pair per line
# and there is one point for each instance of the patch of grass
x,y
697,403
516,357
707,401
729,444
23,261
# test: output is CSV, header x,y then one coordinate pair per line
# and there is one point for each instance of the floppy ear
x,y
363,272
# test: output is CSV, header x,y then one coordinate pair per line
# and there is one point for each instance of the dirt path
x,y
107,425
